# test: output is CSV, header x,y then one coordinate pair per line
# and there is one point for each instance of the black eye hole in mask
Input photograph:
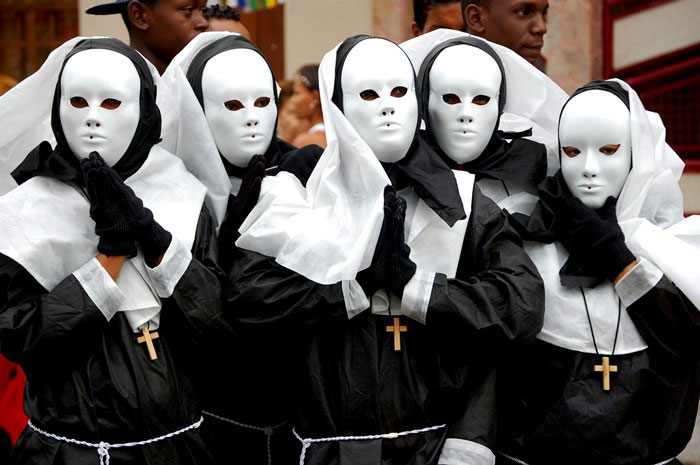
x,y
608,86
194,76
424,80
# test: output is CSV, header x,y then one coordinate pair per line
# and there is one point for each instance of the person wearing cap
x,y
158,29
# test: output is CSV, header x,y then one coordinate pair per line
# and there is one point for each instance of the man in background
x,y
225,18
429,15
519,25
158,29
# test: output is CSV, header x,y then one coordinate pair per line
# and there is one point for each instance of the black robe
x,y
88,379
247,391
348,380
555,410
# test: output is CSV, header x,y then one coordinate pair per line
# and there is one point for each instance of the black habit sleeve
x,y
35,323
668,322
497,291
264,297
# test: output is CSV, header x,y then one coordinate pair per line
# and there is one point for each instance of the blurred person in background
x,y
306,105
224,18
429,15
288,125
519,25
158,29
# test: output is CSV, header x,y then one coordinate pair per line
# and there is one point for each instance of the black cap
x,y
115,7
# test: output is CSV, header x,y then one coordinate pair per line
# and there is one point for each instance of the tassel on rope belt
x,y
267,430
306,442
104,447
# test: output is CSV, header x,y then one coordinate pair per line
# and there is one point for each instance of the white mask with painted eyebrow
x,y
379,97
100,107
239,104
596,152
463,103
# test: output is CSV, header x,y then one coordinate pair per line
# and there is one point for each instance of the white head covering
x,y
534,100
52,243
194,143
650,206
326,232
27,110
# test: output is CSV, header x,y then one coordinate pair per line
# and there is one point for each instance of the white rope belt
x,y
306,443
104,447
513,459
267,430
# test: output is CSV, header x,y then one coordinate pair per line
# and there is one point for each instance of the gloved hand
x,y
376,275
402,267
238,208
119,215
301,162
594,238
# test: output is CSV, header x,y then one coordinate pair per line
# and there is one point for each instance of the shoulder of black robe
x,y
494,275
520,161
35,324
278,148
421,168
61,163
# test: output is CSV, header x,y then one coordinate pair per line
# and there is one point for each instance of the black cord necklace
x,y
605,368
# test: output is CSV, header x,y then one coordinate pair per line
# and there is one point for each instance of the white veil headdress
x,y
327,231
650,206
534,100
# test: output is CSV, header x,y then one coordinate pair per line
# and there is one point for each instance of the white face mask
x,y
463,104
379,97
239,104
99,107
596,151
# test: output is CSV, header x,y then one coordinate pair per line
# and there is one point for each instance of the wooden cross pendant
x,y
148,339
397,329
606,368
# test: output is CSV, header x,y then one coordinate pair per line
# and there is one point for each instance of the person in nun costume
x,y
613,376
463,88
232,104
384,223
101,298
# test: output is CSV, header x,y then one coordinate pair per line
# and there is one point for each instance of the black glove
x,y
402,267
377,274
301,162
109,208
119,215
238,208
594,238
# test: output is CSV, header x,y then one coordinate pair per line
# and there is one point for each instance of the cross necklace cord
x,y
605,368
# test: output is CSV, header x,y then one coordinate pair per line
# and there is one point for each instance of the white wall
x,y
657,31
313,27
94,25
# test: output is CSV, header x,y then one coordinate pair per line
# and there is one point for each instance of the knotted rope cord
x,y
513,459
268,430
103,447
306,443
